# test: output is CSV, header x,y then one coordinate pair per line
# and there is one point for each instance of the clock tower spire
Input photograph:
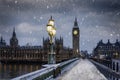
x,y
75,23
75,38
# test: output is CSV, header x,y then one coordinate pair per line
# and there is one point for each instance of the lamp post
x,y
51,32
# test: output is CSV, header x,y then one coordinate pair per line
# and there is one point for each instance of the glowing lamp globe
x,y
49,28
54,32
51,22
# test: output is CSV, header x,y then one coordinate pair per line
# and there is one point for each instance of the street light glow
x,y
49,28
54,32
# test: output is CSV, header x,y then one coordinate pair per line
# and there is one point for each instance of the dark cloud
x,y
98,19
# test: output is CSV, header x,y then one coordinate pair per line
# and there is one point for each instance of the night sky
x,y
97,19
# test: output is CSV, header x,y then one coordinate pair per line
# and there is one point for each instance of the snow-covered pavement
x,y
84,70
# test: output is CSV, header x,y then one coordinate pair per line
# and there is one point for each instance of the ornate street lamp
x,y
51,32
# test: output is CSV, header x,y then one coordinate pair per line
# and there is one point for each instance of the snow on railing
x,y
48,72
34,74
66,62
107,70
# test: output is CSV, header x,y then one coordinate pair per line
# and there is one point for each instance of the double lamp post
x,y
51,32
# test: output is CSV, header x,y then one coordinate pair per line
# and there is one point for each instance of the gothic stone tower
x,y
14,40
75,37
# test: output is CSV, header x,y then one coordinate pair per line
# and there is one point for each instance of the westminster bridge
x,y
79,69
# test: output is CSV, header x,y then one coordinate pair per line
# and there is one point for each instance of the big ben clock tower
x,y
75,37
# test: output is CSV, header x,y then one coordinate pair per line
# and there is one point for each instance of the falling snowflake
x,y
83,43
118,13
93,1
113,32
34,17
30,32
83,19
16,2
86,16
48,7
34,40
111,35
41,17
88,40
97,26
64,12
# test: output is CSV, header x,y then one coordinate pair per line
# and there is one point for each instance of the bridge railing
x,y
33,75
50,71
107,71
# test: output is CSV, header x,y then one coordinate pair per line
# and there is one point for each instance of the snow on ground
x,y
84,70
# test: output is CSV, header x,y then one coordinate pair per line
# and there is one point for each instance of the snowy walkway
x,y
84,70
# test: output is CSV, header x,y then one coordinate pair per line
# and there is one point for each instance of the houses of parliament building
x,y
16,53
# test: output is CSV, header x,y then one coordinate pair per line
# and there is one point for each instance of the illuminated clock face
x,y
75,32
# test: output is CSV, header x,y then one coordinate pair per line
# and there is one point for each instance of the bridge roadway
x,y
83,70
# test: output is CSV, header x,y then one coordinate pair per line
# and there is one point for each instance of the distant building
x,y
16,53
84,54
107,50
2,42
